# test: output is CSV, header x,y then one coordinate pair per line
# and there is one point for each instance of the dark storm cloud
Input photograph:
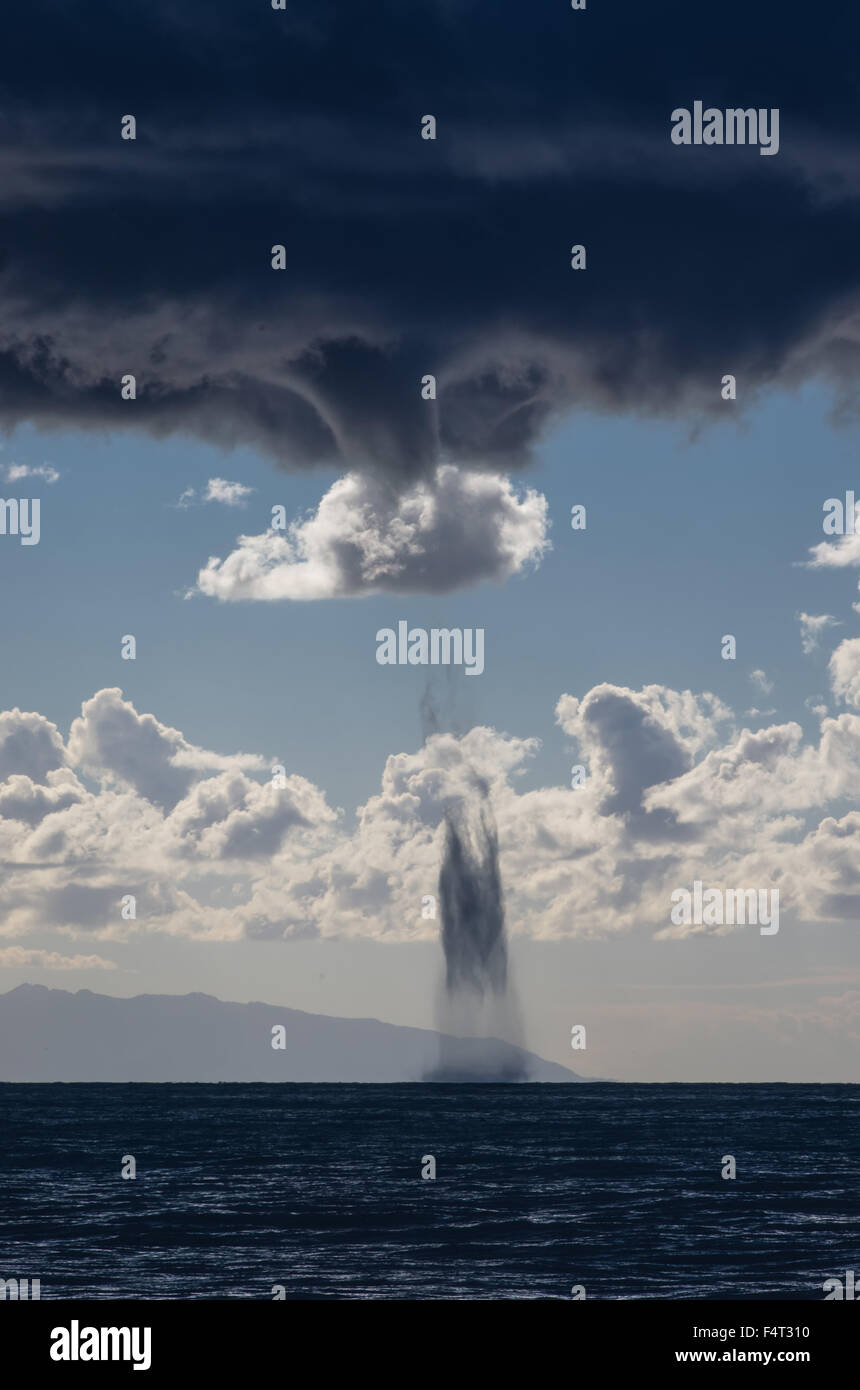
x,y
405,256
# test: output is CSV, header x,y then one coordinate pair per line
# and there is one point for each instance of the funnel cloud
x,y
477,996
473,915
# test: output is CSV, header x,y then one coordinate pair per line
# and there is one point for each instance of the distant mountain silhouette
x,y
54,1035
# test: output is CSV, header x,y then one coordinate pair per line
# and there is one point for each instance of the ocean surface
x,y
538,1188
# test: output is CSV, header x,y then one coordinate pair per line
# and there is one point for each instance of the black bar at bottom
x,y
220,1338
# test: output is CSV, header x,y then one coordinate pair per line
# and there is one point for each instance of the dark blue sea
x,y
538,1188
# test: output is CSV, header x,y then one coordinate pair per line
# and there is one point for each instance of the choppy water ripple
x,y
538,1188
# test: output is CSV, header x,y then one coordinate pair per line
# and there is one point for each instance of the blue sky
x,y
688,538
146,249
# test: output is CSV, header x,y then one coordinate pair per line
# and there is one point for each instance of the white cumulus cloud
x,y
213,847
231,494
46,471
456,529
845,671
812,625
